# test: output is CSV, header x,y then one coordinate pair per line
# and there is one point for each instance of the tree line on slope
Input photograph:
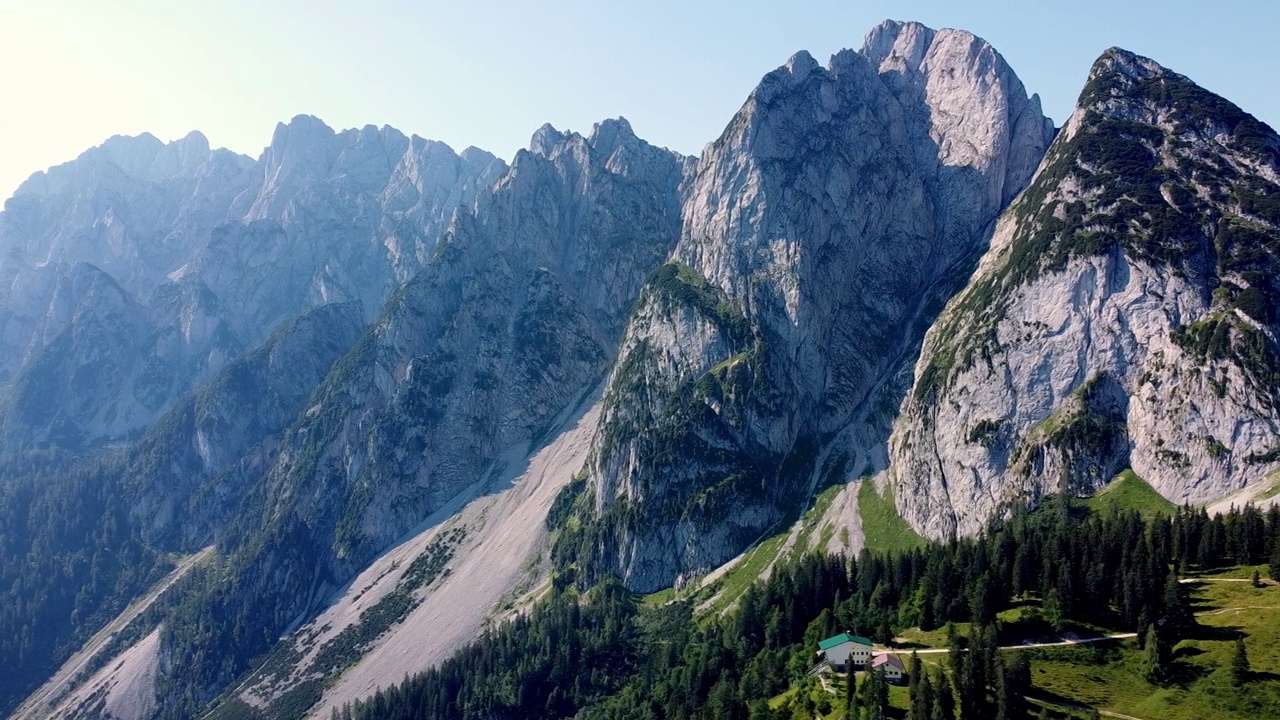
x,y
604,657
70,560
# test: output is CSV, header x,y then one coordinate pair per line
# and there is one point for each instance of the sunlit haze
x,y
489,72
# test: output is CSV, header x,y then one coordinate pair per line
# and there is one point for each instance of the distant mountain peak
x,y
610,133
545,139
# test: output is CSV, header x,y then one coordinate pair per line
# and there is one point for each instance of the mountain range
x,y
278,432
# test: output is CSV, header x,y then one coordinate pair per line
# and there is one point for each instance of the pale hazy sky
x,y
489,72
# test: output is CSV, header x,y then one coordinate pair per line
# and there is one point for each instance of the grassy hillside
x,y
1130,493
882,526
1109,675
1201,687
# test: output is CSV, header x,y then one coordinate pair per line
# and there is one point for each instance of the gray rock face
x,y
336,216
513,319
1125,316
218,249
822,230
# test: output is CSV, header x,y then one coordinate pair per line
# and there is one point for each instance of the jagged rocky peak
x,y
131,206
973,96
958,102
138,158
1125,316
613,203
608,138
1125,86
412,174
820,231
295,139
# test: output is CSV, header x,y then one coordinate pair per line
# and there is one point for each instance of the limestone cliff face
x,y
822,231
1125,316
134,207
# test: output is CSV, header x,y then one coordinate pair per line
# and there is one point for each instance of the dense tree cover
x,y
548,664
70,560
1114,570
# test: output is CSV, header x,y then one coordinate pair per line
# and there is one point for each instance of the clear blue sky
x,y
489,72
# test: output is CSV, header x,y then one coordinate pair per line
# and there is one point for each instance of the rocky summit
x,y
278,432
1124,317
822,232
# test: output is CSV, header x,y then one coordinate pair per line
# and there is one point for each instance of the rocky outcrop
x,y
824,228
1125,316
331,217
133,208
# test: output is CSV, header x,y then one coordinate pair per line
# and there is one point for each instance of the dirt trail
x,y
1024,646
1189,580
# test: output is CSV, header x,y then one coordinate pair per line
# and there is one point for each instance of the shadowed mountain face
x,y
205,253
515,319
307,357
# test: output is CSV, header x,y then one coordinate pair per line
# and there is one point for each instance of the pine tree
x,y
1177,620
1013,680
875,696
925,695
1144,624
957,654
976,677
851,694
884,631
1274,568
1052,609
1155,658
916,689
944,707
1240,665
1004,693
